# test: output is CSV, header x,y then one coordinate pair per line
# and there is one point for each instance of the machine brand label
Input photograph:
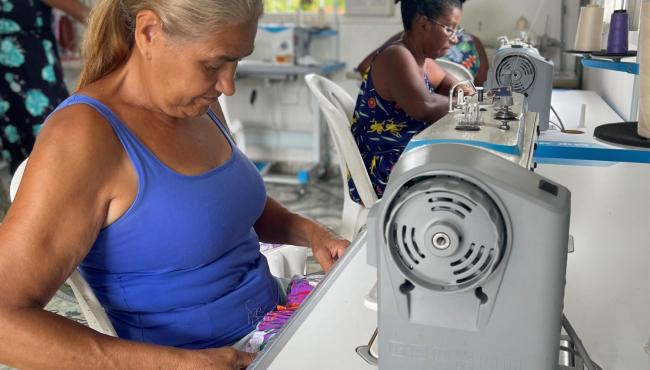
x,y
453,359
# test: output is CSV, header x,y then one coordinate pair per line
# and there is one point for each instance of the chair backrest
x,y
458,71
90,307
338,107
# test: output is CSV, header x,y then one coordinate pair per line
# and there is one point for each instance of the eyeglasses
x,y
450,31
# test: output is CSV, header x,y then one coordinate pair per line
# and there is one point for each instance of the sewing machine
x,y
520,66
462,264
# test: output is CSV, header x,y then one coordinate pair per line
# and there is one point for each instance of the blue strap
x,y
213,116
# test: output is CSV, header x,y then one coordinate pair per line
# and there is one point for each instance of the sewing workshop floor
x,y
321,200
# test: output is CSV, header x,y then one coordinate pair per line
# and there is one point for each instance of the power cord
x,y
589,364
558,118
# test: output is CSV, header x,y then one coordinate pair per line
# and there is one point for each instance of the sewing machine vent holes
x,y
461,260
480,262
405,239
447,204
399,252
436,249
519,70
415,244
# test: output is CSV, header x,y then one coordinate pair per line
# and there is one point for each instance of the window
x,y
291,6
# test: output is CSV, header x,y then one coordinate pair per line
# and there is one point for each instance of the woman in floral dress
x,y
31,80
403,91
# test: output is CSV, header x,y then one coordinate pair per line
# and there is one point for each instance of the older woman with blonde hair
x,y
135,180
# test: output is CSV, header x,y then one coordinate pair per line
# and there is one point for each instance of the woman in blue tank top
x,y
402,91
136,180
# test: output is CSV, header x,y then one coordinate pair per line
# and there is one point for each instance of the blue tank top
x,y
381,129
182,266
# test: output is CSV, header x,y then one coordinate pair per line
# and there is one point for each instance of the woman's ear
x,y
421,22
148,32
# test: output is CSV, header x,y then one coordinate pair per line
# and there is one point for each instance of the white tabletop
x,y
557,147
607,294
567,104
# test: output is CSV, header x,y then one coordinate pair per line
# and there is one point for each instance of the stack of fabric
x,y
299,289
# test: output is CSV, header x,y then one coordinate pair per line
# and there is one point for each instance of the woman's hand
x,y
467,89
327,246
224,358
278,225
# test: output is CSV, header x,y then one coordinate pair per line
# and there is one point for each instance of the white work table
x,y
607,294
557,147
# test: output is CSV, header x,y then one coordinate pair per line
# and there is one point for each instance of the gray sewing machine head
x,y
468,250
519,66
471,256
496,121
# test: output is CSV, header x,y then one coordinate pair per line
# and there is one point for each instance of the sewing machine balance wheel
x,y
445,233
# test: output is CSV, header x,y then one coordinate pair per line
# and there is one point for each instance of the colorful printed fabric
x,y
381,129
465,53
299,289
31,79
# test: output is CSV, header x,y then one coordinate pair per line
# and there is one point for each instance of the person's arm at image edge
x,y
74,8
61,206
484,66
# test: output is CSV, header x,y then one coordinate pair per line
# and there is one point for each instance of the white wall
x,y
614,87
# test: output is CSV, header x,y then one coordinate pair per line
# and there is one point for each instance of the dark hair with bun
x,y
429,8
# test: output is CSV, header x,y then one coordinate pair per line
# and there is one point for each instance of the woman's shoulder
x,y
79,128
394,49
394,56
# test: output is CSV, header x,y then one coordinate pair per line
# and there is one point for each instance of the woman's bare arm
x,y
398,78
64,200
74,8
278,225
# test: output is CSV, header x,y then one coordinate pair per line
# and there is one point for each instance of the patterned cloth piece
x,y
465,53
381,129
31,79
299,289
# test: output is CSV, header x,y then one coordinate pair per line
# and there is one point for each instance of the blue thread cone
x,y
618,29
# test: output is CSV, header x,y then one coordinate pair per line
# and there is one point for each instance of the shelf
x,y
323,32
270,70
629,67
612,62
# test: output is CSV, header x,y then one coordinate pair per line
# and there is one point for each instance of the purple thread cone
x,y
618,29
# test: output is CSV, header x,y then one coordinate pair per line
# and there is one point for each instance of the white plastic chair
x,y
287,261
458,71
338,107
284,261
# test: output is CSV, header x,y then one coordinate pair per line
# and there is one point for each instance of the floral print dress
x,y
381,129
31,80
465,53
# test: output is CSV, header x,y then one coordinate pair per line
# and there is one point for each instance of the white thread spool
x,y
644,72
581,118
589,36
